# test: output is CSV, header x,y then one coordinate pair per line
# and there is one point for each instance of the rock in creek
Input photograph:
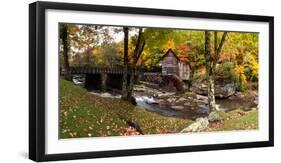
x,y
178,107
171,100
181,99
222,90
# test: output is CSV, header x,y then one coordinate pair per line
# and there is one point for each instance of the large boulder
x,y
199,125
214,116
222,89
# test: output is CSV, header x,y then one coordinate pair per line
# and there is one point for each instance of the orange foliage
x,y
183,51
239,69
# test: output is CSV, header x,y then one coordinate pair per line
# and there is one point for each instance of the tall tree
x,y
65,43
126,65
210,63
136,55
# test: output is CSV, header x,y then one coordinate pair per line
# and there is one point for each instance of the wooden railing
x,y
95,70
107,70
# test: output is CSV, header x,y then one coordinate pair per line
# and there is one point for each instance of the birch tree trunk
x,y
211,61
211,89
210,72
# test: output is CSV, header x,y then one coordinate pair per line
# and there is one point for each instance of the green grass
x,y
248,121
83,114
238,120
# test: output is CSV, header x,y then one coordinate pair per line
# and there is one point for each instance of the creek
x,y
171,104
188,105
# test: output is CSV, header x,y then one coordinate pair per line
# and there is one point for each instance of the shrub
x,y
225,71
240,78
251,67
255,70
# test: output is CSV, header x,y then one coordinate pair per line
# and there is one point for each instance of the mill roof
x,y
172,52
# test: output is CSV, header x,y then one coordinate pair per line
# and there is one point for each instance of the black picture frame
x,y
37,80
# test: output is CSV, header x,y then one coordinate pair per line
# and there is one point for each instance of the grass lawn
x,y
85,115
236,120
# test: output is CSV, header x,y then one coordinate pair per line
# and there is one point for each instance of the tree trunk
x,y
131,83
137,53
67,74
210,68
191,77
88,56
126,65
211,89
211,62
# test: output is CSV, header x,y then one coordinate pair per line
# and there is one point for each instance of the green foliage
x,y
241,82
196,55
107,55
157,42
225,71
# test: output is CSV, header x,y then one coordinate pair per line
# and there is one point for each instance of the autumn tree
x,y
86,38
183,52
210,63
241,49
107,55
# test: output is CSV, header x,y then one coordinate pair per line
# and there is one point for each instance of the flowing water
x,y
181,111
231,104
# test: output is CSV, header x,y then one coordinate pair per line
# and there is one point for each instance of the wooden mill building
x,y
172,65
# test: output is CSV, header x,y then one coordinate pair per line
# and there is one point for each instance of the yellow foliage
x,y
170,44
242,79
239,69
255,70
